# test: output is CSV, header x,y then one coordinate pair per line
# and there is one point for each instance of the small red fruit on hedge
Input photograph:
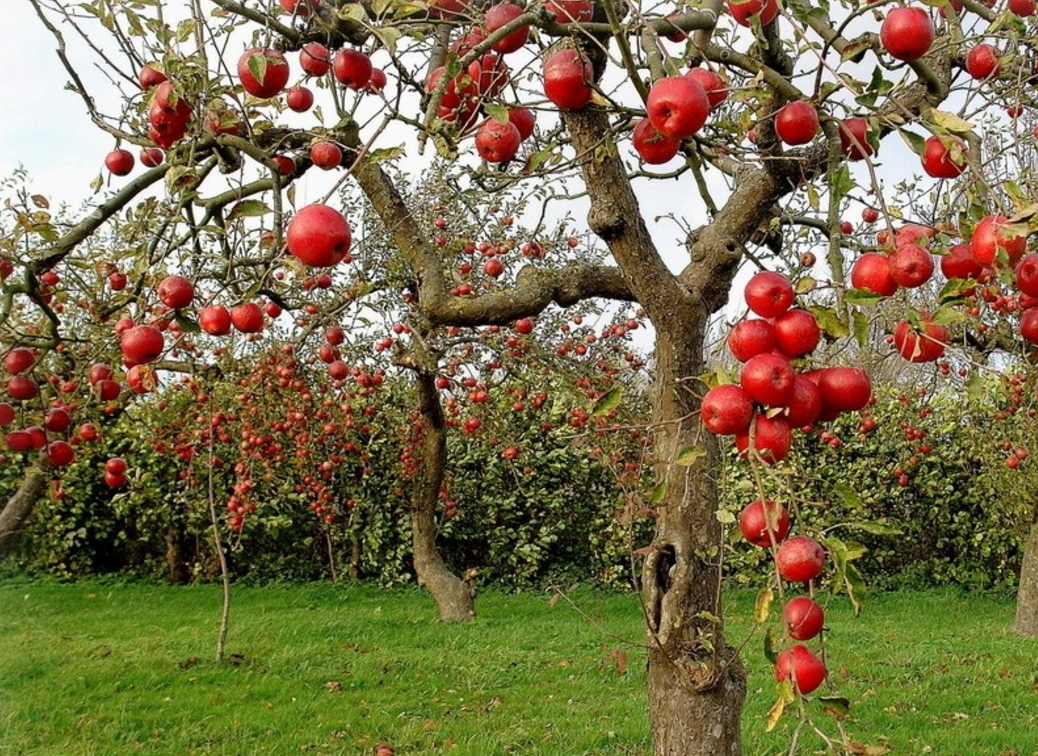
x,y
800,559
803,618
800,664
764,523
319,236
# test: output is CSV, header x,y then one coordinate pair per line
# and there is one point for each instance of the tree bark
x,y
176,564
1026,620
454,596
19,508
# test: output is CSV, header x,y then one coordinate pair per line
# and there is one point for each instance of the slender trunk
x,y
696,684
331,555
453,595
1026,620
20,506
354,569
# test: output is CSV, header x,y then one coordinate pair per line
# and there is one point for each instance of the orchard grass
x,y
106,669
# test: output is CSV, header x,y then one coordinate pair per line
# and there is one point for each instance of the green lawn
x,y
112,669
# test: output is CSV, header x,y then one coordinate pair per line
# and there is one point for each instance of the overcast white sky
x,y
43,127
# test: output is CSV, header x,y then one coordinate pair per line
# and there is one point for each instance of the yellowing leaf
x,y
762,609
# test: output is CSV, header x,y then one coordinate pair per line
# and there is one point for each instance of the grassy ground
x,y
107,670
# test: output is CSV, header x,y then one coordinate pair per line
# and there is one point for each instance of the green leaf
x,y
948,314
250,208
352,12
850,497
806,284
855,588
860,326
830,322
386,153
876,528
956,288
812,197
915,142
762,607
863,297
608,402
689,455
770,653
841,183
496,111
785,697
257,65
835,706
659,493
951,122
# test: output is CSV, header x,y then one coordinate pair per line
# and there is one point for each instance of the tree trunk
x,y
453,595
1026,620
696,684
19,508
176,564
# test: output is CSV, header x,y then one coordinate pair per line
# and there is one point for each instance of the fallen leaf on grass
x,y
861,749
333,685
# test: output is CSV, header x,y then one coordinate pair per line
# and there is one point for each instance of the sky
x,y
44,128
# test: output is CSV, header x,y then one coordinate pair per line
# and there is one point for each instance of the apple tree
x,y
771,122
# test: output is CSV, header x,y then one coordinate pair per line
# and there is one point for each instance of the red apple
x,y
749,338
845,389
653,147
151,157
119,162
768,379
1027,275
21,388
314,59
567,79
726,410
215,320
60,453
150,75
18,360
871,272
570,11
769,294
803,617
677,106
1029,325
772,439
7,414
301,8
497,142
142,344
796,333
907,33
800,559
1022,8
247,317
959,263
983,61
944,157
911,266
319,236
743,12
326,155
714,86
914,346
299,99
176,292
805,403
499,15
352,68
764,523
263,72
995,233
854,138
802,667
797,123
524,120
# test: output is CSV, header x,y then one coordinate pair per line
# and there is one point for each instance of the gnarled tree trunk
x,y
19,508
454,596
1026,620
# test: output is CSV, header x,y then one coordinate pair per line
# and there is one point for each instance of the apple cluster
x,y
996,244
798,559
772,397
